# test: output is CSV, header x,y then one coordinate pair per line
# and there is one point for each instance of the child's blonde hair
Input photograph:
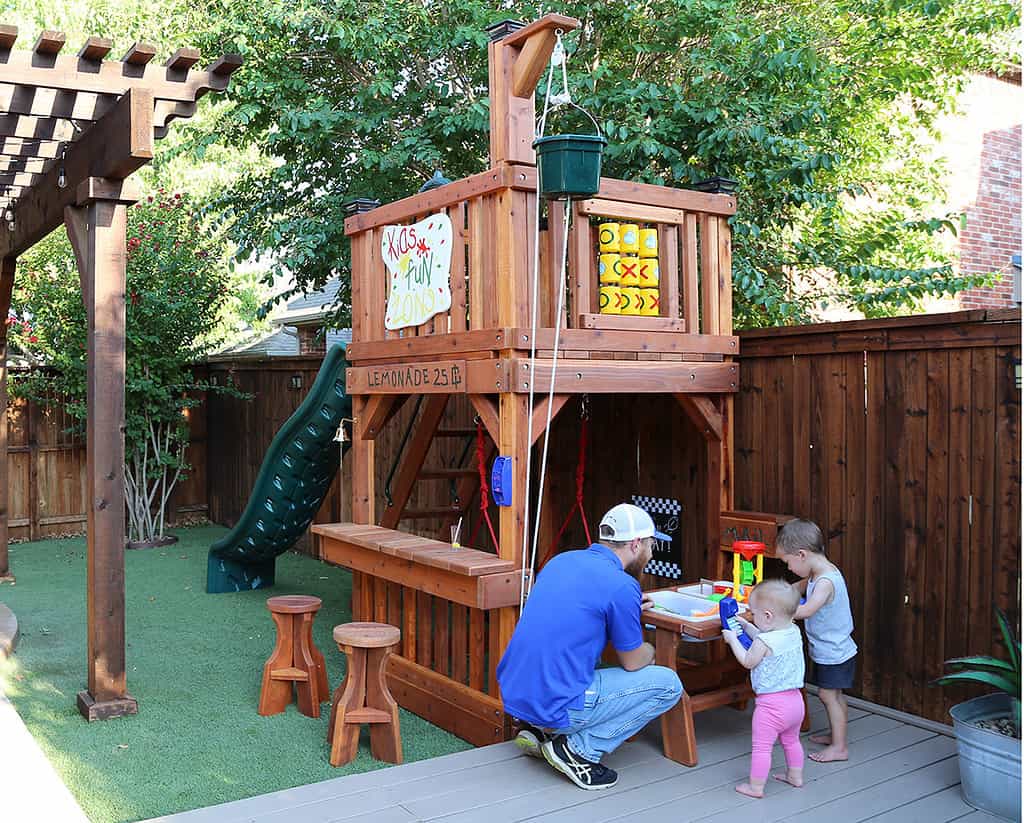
x,y
797,535
779,594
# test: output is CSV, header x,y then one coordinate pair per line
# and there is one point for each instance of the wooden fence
x,y
901,439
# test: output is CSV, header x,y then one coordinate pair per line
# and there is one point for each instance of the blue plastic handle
x,y
728,609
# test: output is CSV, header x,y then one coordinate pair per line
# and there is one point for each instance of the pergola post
x,y
97,228
74,128
7,266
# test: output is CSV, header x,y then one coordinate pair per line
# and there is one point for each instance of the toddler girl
x,y
776,661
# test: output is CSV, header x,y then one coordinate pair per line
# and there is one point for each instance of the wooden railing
x,y
494,220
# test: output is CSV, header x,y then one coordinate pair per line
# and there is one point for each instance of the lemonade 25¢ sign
x,y
418,260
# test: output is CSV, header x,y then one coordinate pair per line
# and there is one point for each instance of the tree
x,y
815,108
177,289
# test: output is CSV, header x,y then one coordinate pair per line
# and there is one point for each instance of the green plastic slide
x,y
293,481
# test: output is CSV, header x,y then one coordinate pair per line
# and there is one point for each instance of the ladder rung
x,y
455,433
446,474
420,514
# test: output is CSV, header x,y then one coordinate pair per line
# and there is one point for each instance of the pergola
x,y
73,128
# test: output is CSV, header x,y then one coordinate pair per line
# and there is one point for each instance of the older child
x,y
776,661
828,623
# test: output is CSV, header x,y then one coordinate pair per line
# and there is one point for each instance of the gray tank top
x,y
828,629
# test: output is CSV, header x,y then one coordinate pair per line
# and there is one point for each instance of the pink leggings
x,y
776,715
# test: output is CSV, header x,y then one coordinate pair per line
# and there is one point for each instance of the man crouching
x,y
581,601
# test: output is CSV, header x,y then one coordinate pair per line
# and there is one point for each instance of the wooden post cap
x,y
367,635
293,603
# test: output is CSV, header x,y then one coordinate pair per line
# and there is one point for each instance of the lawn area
x,y
194,664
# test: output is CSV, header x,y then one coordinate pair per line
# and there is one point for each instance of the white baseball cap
x,y
626,522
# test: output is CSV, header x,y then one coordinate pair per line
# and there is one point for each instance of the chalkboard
x,y
667,560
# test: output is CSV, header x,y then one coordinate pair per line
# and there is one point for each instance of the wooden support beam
x,y
101,207
183,59
8,36
638,212
112,76
24,164
31,128
710,293
512,112
95,48
363,457
139,54
50,42
114,147
379,409
225,65
703,414
540,413
412,459
7,267
514,410
17,147
487,411
532,60
610,377
690,275
18,178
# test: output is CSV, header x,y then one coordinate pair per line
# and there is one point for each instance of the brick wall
x,y
992,234
311,340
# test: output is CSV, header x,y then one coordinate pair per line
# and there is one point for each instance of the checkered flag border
x,y
666,564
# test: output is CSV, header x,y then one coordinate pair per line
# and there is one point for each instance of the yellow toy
x,y
747,567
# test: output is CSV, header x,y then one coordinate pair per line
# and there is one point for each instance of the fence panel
x,y
901,439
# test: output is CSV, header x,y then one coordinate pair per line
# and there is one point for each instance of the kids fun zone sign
x,y
418,260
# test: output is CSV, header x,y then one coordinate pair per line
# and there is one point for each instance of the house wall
x,y
982,149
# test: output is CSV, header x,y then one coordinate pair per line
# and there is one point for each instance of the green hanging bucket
x,y
569,165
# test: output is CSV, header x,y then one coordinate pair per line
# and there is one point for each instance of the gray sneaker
x,y
529,741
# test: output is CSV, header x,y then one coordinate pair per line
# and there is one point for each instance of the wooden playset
x,y
457,606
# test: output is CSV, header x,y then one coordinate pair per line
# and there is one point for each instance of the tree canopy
x,y
819,110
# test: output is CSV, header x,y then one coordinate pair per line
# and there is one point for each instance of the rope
x,y
581,473
485,514
557,58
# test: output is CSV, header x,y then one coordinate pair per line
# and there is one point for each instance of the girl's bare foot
x,y
830,754
751,791
794,777
821,739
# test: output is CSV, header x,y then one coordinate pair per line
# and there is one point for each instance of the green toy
x,y
293,481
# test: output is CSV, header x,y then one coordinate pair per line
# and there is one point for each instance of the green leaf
x,y
988,678
1012,645
982,662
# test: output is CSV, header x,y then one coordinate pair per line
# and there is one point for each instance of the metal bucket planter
x,y
569,165
989,761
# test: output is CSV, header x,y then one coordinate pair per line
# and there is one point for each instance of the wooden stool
x,y
295,659
364,697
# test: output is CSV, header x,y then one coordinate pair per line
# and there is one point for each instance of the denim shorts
x,y
834,676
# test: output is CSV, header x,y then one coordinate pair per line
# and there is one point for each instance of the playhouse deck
x,y
898,772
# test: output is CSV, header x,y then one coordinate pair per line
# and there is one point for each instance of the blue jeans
x,y
616,705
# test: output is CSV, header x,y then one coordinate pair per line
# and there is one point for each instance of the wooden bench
x,y
462,575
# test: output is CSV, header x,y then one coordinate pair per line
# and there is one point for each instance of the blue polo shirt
x,y
582,600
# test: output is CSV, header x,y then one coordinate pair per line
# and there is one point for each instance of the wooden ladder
x,y
467,479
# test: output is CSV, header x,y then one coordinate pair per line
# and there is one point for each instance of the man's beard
x,y
636,567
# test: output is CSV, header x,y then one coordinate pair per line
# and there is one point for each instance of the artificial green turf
x,y
194,664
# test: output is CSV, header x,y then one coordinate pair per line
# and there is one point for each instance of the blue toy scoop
x,y
728,611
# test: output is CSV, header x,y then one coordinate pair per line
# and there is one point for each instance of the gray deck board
x,y
940,807
896,772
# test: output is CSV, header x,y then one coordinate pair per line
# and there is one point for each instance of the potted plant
x,y
987,728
